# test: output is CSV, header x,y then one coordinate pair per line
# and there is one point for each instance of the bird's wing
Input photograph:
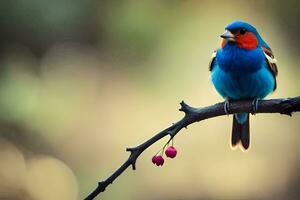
x,y
211,63
271,62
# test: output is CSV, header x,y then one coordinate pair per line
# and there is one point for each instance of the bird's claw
x,y
255,106
226,107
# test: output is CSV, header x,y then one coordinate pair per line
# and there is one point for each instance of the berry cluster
x,y
170,152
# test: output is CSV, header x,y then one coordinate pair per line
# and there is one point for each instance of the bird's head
x,y
242,34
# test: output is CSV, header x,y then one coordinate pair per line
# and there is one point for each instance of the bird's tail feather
x,y
240,131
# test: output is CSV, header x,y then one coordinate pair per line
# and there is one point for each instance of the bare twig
x,y
283,106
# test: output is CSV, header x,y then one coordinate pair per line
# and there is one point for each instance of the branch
x,y
283,106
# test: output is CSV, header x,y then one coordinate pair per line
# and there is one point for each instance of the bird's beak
x,y
227,35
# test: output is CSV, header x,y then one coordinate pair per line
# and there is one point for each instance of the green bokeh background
x,y
82,80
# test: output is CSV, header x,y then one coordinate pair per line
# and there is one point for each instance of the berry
x,y
171,152
154,159
158,160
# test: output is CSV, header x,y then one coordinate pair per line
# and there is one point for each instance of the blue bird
x,y
243,68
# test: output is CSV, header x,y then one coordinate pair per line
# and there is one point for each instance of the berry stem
x,y
161,151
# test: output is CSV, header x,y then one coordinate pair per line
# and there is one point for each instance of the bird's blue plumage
x,y
240,24
239,73
234,59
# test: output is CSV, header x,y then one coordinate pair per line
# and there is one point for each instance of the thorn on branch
x,y
288,106
188,110
183,107
286,112
101,186
132,160
133,156
130,149
133,165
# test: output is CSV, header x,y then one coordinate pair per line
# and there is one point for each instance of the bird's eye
x,y
242,31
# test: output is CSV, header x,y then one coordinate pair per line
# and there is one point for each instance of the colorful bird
x,y
243,68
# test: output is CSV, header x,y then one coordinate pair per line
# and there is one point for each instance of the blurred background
x,y
82,80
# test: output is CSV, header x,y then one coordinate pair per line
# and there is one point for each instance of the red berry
x,y
171,152
154,159
159,161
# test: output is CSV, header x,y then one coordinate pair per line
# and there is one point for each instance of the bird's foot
x,y
227,107
254,106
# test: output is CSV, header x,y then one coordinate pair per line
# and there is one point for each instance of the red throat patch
x,y
247,41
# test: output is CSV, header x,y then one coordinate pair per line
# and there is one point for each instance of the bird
x,y
243,68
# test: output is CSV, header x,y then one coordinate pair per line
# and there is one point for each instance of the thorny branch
x,y
283,106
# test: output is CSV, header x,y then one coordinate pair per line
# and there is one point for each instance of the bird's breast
x,y
231,58
243,85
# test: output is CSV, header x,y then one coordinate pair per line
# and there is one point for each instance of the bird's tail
x,y
240,130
